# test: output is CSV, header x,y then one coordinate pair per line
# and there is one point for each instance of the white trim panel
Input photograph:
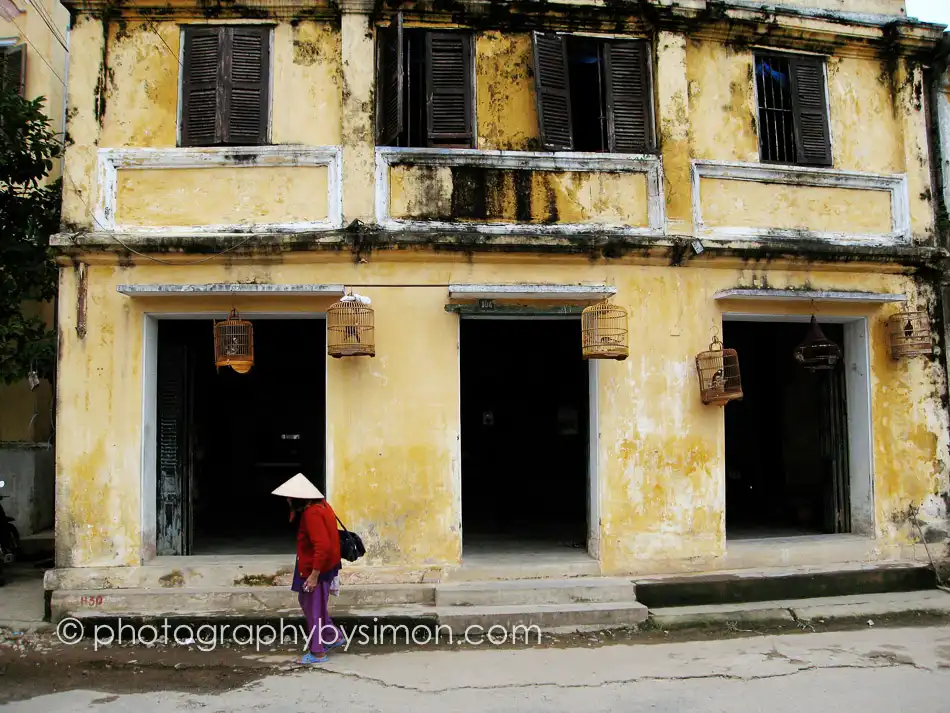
x,y
223,288
648,164
895,184
740,293
538,292
111,160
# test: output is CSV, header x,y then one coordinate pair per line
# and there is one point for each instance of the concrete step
x,y
550,618
577,590
855,607
783,583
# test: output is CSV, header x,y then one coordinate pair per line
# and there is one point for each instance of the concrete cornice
x,y
735,21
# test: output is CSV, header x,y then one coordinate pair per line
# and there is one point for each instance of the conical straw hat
x,y
299,487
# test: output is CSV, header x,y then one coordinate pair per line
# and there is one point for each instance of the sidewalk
x,y
22,599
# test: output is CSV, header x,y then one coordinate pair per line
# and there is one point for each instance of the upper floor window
x,y
13,69
225,85
593,94
424,88
793,111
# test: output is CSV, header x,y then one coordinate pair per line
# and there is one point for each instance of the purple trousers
x,y
320,627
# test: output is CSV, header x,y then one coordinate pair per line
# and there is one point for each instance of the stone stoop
x,y
552,605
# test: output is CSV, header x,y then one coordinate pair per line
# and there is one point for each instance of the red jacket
x,y
318,541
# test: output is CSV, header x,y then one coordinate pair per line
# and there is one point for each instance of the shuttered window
x,y
424,88
793,111
593,95
225,85
13,69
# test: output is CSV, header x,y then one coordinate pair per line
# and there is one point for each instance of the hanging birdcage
x,y
234,343
910,335
604,332
350,329
718,369
817,352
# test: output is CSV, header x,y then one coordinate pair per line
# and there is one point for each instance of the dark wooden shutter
x,y
449,88
246,80
173,485
390,83
14,69
552,91
201,87
629,97
812,135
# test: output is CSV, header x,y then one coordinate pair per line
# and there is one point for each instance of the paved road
x,y
868,671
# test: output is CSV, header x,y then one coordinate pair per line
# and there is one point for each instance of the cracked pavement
x,y
872,670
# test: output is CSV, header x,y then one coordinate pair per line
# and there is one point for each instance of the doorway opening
x,y
787,443
525,436
226,440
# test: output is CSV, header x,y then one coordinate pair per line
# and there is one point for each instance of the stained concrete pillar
x,y
359,144
673,129
910,102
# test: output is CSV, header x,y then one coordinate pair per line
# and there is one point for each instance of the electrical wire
x,y
40,54
48,21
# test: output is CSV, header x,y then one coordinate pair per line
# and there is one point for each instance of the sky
x,y
930,10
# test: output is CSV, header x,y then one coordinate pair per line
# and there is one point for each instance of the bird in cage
x,y
909,329
718,381
234,347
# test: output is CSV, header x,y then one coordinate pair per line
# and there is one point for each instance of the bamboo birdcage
x,y
817,352
350,328
604,332
718,370
910,335
234,343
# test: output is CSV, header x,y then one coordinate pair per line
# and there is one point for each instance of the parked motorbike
x,y
9,538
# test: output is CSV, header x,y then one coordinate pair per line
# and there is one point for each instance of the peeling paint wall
x,y
221,196
393,467
462,193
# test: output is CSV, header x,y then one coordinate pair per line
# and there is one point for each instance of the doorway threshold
x,y
798,550
525,559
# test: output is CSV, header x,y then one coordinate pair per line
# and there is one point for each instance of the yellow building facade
x,y
482,174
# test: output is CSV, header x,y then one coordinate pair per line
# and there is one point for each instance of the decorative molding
x,y
808,295
652,166
231,289
112,160
895,184
526,291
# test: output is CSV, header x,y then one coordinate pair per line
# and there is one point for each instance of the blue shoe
x,y
312,658
336,644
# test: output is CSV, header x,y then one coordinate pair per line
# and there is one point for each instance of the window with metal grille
x,y
424,88
593,95
793,112
225,84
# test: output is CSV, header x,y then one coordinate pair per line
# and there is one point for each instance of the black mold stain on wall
x,y
482,193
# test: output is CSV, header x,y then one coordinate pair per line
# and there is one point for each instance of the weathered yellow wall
x,y
506,109
140,105
518,196
221,196
759,205
393,421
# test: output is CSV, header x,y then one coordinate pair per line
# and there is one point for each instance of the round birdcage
x,y
718,370
350,328
234,343
817,352
910,335
604,332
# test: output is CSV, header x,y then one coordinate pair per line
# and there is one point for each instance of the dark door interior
x,y
242,436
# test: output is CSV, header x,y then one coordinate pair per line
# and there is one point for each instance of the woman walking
x,y
318,563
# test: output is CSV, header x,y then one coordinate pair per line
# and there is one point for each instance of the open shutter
x,y
552,91
812,135
173,450
14,69
390,81
246,67
629,98
449,88
200,86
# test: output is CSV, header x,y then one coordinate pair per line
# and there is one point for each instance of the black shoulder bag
x,y
351,545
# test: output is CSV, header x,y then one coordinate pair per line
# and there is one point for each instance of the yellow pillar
x,y
672,108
